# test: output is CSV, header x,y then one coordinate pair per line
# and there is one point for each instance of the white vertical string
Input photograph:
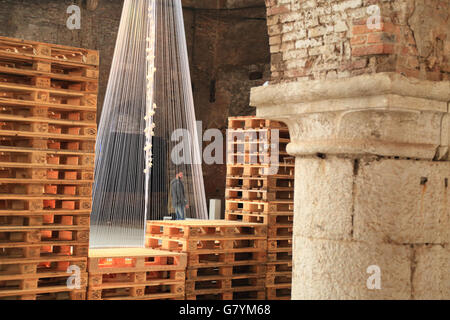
x,y
149,96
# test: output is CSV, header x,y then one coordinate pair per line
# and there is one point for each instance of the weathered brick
x,y
373,49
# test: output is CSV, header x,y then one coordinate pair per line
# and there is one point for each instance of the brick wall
x,y
326,39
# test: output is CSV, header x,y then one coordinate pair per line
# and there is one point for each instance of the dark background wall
x,y
227,42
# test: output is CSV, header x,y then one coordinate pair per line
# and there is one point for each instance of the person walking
x,y
178,197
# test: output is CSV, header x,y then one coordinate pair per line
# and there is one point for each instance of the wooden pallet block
x,y
134,260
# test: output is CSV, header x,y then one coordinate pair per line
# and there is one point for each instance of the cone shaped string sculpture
x,y
147,132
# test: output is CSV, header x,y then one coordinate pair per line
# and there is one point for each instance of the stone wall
x,y
328,39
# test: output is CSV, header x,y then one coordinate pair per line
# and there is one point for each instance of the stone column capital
x,y
383,114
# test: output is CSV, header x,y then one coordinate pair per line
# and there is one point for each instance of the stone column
x,y
372,145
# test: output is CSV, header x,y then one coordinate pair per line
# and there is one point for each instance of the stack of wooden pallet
x,y
48,110
256,194
136,274
226,260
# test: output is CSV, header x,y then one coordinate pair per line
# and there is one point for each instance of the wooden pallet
x,y
219,259
259,170
15,285
282,292
116,260
259,194
238,295
257,135
244,143
280,266
37,268
259,207
279,243
205,229
278,159
237,283
251,122
280,230
284,255
207,246
41,202
150,290
278,279
212,272
267,219
136,274
117,279
47,293
262,183
10,47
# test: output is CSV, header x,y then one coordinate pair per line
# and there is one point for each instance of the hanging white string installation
x,y
148,112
